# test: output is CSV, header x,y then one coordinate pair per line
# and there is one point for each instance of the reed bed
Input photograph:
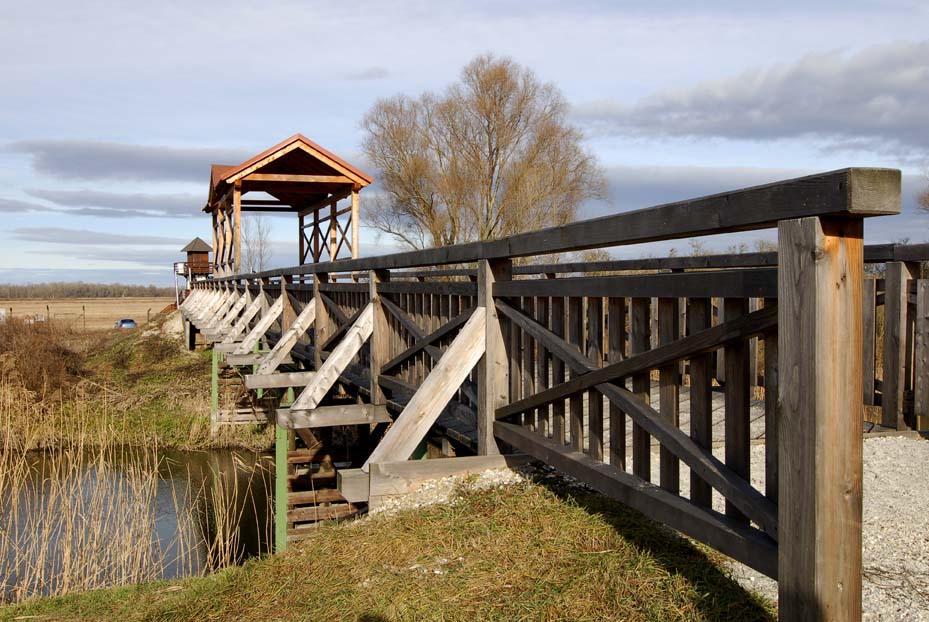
x,y
80,513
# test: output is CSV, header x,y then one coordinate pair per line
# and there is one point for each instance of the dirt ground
x,y
94,313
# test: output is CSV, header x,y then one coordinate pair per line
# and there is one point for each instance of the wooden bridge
x,y
649,380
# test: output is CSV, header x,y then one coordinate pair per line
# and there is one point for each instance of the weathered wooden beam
x,y
335,364
848,192
242,323
261,327
740,542
893,383
285,344
493,367
434,393
279,381
820,446
303,179
329,416
921,357
729,283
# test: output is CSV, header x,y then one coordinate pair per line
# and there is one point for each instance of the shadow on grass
x,y
717,596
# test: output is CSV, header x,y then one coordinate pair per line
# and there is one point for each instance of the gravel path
x,y
895,530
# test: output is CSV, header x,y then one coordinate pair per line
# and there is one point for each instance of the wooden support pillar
x,y
819,361
237,228
356,223
380,335
333,231
321,324
301,239
317,249
896,344
493,385
868,316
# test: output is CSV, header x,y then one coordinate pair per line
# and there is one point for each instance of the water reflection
x,y
89,519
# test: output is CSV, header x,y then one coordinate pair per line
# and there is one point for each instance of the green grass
x,y
517,553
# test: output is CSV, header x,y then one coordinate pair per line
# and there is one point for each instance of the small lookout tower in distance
x,y
196,267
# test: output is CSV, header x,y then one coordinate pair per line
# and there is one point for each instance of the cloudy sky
x,y
112,112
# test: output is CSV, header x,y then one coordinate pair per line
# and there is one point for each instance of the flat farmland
x,y
100,313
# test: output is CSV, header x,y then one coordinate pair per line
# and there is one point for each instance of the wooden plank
x,y
731,283
701,396
576,402
669,391
641,386
379,347
354,485
335,364
315,496
317,513
616,333
921,357
740,542
250,359
594,399
819,350
738,403
771,412
278,381
868,317
434,393
895,310
558,371
404,477
328,416
543,370
288,340
322,326
303,179
261,327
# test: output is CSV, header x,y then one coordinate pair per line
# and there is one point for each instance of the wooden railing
x,y
588,372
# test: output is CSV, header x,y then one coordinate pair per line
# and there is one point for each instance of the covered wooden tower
x,y
294,176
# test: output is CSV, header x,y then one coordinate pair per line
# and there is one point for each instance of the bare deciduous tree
x,y
492,156
256,242
923,197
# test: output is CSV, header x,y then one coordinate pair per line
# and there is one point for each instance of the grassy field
x,y
524,552
100,313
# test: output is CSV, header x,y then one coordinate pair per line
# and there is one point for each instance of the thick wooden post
x,y
380,335
895,343
321,323
921,357
237,228
819,361
356,223
493,387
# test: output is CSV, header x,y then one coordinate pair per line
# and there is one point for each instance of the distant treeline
x,y
81,290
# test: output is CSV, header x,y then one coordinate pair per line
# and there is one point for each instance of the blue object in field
x,y
125,323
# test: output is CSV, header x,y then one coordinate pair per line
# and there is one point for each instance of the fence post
x,y
921,357
380,335
493,382
894,382
820,444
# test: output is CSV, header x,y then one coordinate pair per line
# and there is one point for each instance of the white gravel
x,y
895,530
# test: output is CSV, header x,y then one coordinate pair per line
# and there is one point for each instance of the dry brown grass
x,y
100,313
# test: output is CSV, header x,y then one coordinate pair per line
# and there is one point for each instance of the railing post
x,y
321,323
283,440
380,335
493,385
820,365
895,342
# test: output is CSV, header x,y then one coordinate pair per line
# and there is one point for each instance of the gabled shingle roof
x,y
197,246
